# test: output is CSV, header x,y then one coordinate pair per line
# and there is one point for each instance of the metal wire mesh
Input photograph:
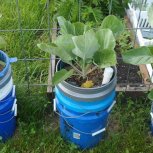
x,y
122,86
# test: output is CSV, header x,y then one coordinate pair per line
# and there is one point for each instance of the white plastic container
x,y
108,73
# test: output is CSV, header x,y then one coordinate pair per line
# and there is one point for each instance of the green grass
x,y
37,127
24,45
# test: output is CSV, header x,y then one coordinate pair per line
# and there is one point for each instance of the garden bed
x,y
128,74
140,20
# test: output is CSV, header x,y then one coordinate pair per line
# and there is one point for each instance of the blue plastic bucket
x,y
84,130
7,103
8,123
82,100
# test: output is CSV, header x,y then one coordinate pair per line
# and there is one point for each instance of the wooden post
x,y
52,65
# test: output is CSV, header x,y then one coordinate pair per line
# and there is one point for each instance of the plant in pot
x,y
83,48
81,91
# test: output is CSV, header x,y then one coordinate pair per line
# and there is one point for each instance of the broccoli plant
x,y
83,48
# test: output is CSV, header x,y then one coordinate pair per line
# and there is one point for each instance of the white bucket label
x,y
76,135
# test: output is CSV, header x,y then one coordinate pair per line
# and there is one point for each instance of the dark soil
x,y
127,73
95,76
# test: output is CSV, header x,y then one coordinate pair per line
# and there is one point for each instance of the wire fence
x,y
125,83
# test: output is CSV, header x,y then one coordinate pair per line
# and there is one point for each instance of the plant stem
x,y
83,69
78,71
77,63
91,70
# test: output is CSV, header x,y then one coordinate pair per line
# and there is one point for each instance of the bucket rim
x,y
6,60
89,89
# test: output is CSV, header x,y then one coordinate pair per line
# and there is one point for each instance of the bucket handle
x,y
82,132
13,59
55,110
64,117
13,92
15,114
98,132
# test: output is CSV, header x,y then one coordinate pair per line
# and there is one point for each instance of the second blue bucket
x,y
8,122
85,130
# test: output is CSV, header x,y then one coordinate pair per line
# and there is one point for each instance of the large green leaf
x,y
113,23
105,39
105,58
85,45
47,48
2,42
66,26
150,95
61,76
150,15
65,42
143,55
80,28
55,50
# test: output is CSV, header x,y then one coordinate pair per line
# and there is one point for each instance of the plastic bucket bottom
x,y
7,126
85,131
8,123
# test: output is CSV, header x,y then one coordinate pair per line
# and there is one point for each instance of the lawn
x,y
37,129
37,126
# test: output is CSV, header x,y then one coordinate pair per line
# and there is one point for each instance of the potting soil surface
x,y
95,76
127,73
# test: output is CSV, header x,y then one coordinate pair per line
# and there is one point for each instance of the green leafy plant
x,y
116,7
73,10
124,42
90,12
83,48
